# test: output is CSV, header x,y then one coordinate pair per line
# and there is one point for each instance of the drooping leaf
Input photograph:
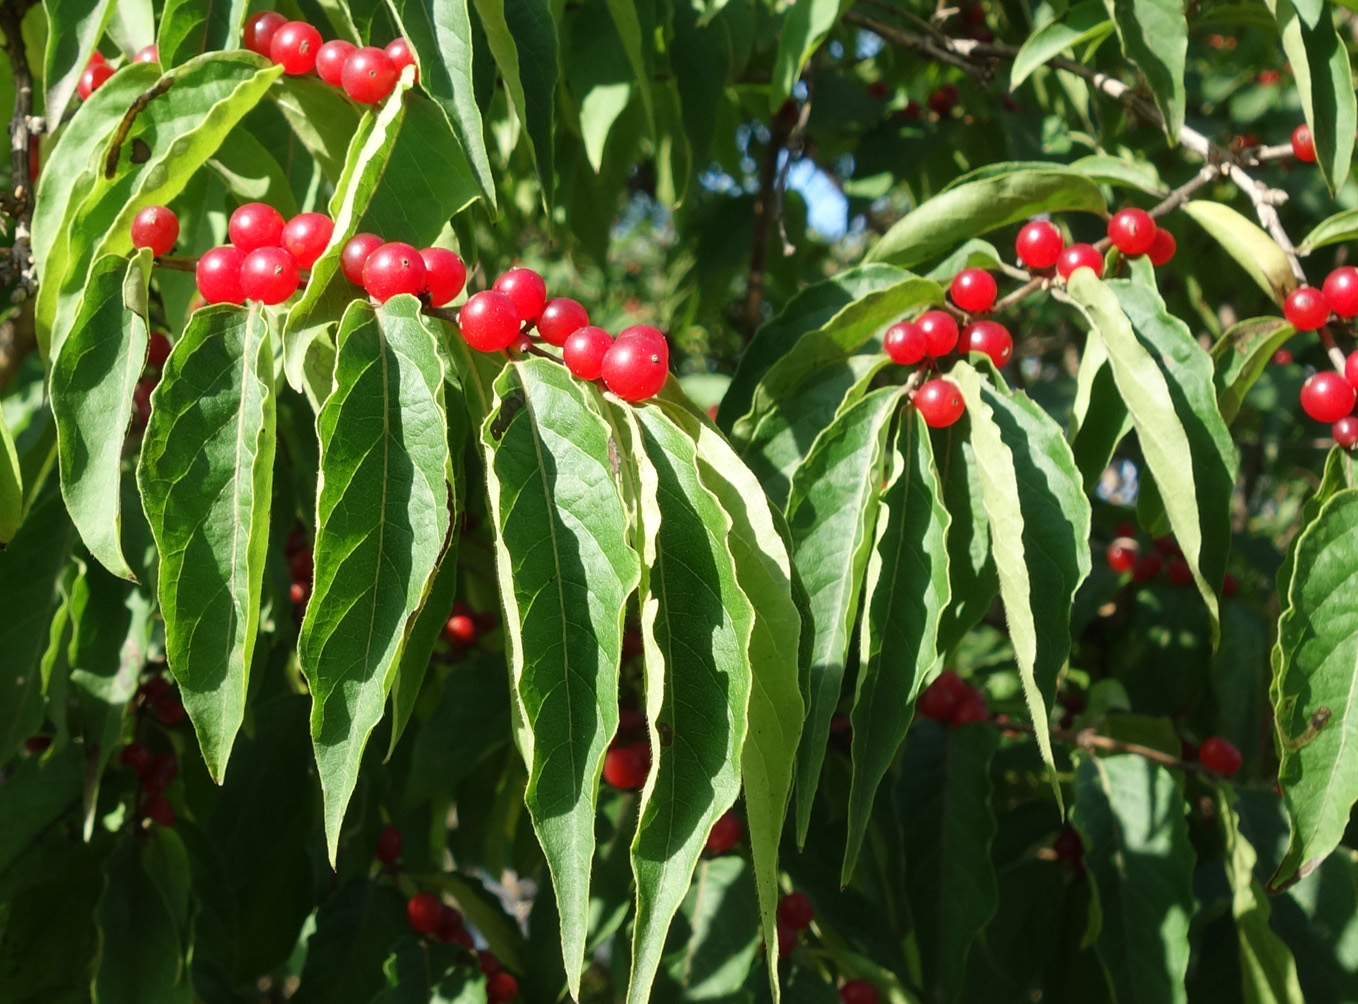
x,y
600,76
418,972
191,27
905,592
1252,248
1154,35
383,515
1099,419
1131,816
1241,355
831,513
132,25
74,28
566,572
972,579
719,919
206,477
804,28
322,118
251,173
1084,23
470,722
1340,228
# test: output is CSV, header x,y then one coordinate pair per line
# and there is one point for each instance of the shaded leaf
x,y
11,487
722,932
355,929
190,27
972,578
803,29
1241,355
74,28
1099,418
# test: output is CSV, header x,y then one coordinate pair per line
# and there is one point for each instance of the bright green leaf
x,y
1340,228
1154,35
1252,248
1241,356
804,28
191,27
74,28
1085,22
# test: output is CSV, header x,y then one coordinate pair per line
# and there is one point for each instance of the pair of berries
x,y
155,772
301,568
162,701
634,366
97,70
367,75
950,700
1307,308
1328,396
795,913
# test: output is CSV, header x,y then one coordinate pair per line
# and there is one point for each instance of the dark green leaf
x,y
424,973
1241,355
34,796
11,486
251,173
323,119
190,27
355,930
973,581
470,723
722,930
74,28
1154,35
1099,419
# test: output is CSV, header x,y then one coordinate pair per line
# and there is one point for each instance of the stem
x,y
763,216
18,204
1088,739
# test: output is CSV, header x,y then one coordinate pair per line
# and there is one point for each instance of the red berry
x,y
1162,248
989,337
399,52
1306,308
1341,291
299,592
255,225
260,29
1327,397
1039,244
974,290
369,75
96,57
330,60
460,630
355,255
726,833
155,227
169,710
584,352
561,318
302,565
652,336
93,78
424,912
938,702
971,709
1125,530
940,403
269,275
34,745
158,350
787,939
1079,256
633,369
489,321
940,332
389,845
160,771
444,275
487,963
878,89
1303,147
630,720
500,988
136,756
149,54
452,928
943,100
392,269
526,288
796,910
1070,848
305,237
1122,554
1132,231
905,343
1168,546
1219,756
158,810
858,992
1147,567
626,768
294,47
154,689
218,275
1230,585
1179,573
1345,432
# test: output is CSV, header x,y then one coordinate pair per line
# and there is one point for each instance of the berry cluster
x,y
97,70
1329,396
154,771
1124,556
428,915
367,75
952,701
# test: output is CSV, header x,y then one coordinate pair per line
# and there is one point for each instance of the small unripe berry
x,y
989,337
389,845
939,403
305,237
260,29
294,47
1122,554
330,60
526,288
726,833
218,275
1341,291
1327,397
1303,147
905,343
392,269
355,255
1162,248
489,321
1132,231
1220,756
796,910
1039,244
157,228
1306,308
633,369
424,912
940,332
584,352
269,275
974,290
369,76
255,225
1079,256
561,318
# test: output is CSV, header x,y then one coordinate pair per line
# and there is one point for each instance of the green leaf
x,y
972,578
383,514
470,723
1099,419
145,938
942,801
206,477
1121,173
422,973
74,28
11,487
522,38
1314,683
440,32
804,28
355,929
831,512
1241,355
601,78
1085,22
978,207
1130,814
722,932
190,27
251,174
1319,58
1154,35
322,118
566,572
1252,248
94,372
697,624
132,25
1267,969
1039,520
1340,228
905,592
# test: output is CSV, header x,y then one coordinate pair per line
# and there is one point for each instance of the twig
x,y
177,264
19,268
779,130
1089,739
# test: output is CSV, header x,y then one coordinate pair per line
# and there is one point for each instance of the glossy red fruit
x,y
158,350
157,228
726,833
1122,554
796,910
269,275
96,57
1345,432
1179,573
460,630
294,47
501,988
392,269
489,321
940,403
330,60
218,275
255,225
974,290
1132,231
1162,248
305,237
634,369
355,255
858,992
989,337
424,912
1303,147
971,709
905,343
369,75
150,54
302,565
1219,756
938,701
399,52
1039,244
526,288
940,332
389,845
136,756
1341,291
787,939
1306,308
584,352
1327,397
158,809
1079,256
625,768
1147,567
561,318
444,275
94,77
260,29
651,336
